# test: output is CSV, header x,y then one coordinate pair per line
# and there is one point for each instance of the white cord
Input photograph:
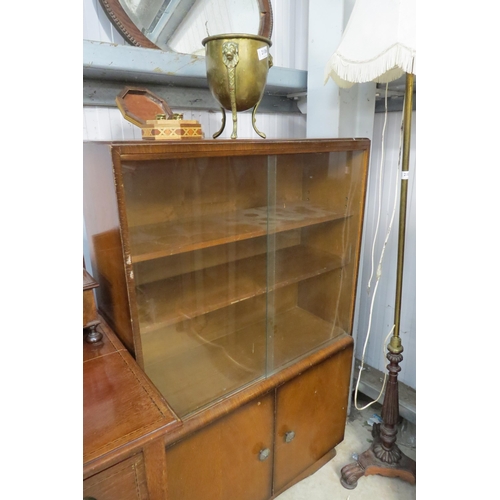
x,y
396,185
379,186
384,350
379,267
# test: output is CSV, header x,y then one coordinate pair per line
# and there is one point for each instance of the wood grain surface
x,y
121,408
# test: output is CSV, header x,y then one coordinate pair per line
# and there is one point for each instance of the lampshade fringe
x,y
386,67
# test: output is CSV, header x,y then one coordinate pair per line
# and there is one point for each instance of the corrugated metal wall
x,y
290,50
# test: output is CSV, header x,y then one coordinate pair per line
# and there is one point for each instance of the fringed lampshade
x,y
378,45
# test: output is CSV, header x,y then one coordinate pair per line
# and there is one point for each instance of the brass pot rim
x,y
225,36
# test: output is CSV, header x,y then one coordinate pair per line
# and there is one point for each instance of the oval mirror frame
x,y
127,28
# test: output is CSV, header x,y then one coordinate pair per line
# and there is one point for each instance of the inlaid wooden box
x,y
155,118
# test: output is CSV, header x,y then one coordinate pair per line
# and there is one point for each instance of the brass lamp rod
x,y
395,344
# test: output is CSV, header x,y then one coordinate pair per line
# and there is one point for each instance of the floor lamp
x,y
379,45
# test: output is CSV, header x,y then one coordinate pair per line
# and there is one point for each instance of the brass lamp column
x,y
384,456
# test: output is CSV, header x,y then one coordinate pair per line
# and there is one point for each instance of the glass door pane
x,y
197,232
317,218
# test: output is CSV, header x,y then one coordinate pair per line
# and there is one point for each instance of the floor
x,y
325,483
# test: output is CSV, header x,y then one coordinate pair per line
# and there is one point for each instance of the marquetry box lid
x,y
155,118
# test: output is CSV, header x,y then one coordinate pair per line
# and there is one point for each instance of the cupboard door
x,y
124,481
311,413
227,459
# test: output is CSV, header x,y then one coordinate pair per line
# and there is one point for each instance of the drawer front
x,y
230,459
311,413
124,481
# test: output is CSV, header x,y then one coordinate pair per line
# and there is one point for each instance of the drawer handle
x,y
264,454
289,436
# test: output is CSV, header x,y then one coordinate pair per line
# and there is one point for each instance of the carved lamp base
x,y
384,457
395,464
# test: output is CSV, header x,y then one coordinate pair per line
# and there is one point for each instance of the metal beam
x,y
103,93
395,95
394,103
177,77
124,63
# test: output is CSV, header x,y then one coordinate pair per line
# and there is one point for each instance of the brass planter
x,y
237,68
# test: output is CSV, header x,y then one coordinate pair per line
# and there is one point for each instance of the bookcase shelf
x,y
173,237
235,360
169,301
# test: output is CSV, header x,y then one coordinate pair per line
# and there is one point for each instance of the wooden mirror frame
x,y
122,22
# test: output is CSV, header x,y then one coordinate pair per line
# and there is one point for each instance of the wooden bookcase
x,y
223,265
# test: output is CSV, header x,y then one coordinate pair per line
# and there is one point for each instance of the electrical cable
x,y
379,267
382,153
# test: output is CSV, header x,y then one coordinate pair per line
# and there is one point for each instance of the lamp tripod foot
x,y
368,464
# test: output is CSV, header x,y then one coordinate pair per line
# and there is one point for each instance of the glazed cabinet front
x,y
237,258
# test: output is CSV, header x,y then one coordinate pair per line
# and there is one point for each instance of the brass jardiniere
x,y
237,68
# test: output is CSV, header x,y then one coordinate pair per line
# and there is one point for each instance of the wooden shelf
x,y
173,237
169,301
247,347
214,369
